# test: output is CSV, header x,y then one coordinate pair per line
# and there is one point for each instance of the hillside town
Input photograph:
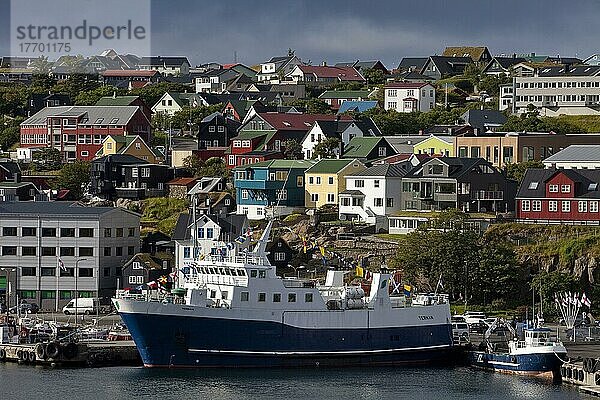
x,y
117,171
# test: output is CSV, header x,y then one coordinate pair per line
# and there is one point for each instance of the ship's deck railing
x,y
146,295
203,279
249,258
535,343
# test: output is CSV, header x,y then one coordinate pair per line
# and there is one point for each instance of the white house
x,y
409,96
373,194
208,235
172,102
344,130
277,67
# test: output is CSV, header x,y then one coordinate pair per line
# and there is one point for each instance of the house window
x,y
231,160
221,129
107,232
318,180
566,206
279,256
299,181
211,128
553,188
262,297
9,231
345,202
200,233
390,202
382,151
244,194
131,232
594,206
376,183
108,251
311,180
536,205
67,251
359,183
378,202
186,252
49,251
314,197
582,206
281,194
209,233
28,251
134,172
330,180
553,206
565,188
86,252
25,231
525,205
67,232
330,198
145,172
51,232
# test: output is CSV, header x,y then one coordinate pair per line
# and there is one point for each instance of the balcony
x,y
445,197
488,195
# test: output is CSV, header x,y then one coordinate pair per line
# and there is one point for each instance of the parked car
x,y
25,308
474,317
460,332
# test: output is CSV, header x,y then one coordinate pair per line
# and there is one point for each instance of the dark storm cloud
x,y
335,30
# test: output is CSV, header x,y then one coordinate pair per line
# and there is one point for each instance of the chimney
x,y
324,64
115,94
420,132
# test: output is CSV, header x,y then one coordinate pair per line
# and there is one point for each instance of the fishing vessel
x,y
234,311
537,354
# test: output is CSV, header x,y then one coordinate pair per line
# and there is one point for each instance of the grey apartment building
x,y
91,242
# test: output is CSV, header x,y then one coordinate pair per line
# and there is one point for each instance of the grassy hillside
x,y
586,123
162,213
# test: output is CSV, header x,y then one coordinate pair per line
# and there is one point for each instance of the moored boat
x,y
234,311
538,354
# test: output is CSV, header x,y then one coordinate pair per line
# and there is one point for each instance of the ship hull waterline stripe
x,y
315,353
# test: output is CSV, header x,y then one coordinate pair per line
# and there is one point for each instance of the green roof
x,y
116,101
360,147
344,94
250,134
329,166
281,164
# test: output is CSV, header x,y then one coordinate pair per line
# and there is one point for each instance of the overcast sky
x,y
345,30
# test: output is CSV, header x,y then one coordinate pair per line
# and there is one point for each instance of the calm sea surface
x,y
22,382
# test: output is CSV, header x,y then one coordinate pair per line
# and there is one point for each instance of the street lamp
x,y
76,275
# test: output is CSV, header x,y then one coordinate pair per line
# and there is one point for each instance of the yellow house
x,y
324,180
435,145
131,145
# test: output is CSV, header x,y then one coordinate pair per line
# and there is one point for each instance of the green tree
x,y
292,150
152,93
46,159
328,148
41,66
76,83
374,76
189,118
213,167
516,171
91,97
9,132
549,283
314,106
13,100
74,177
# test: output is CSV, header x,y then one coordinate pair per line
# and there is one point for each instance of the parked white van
x,y
82,306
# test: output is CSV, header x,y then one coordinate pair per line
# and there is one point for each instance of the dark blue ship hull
x,y
180,341
544,364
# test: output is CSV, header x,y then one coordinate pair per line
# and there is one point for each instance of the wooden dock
x,y
81,354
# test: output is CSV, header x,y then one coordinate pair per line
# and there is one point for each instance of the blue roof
x,y
359,106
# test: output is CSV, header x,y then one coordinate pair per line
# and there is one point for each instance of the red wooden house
x,y
559,196
78,131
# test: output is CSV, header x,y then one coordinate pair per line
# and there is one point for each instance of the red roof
x,y
406,85
298,122
229,66
343,73
182,181
135,73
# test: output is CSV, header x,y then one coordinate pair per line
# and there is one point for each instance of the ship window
x,y
308,297
244,296
241,272
262,297
213,294
262,274
253,273
222,271
276,297
224,294
291,297
233,272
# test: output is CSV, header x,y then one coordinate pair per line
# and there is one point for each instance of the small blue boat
x,y
538,354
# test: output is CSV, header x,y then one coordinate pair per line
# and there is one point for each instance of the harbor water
x,y
25,382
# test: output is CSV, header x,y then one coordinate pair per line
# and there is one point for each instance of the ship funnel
x,y
380,292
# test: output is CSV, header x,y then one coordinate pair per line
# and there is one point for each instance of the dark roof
x,y
506,62
10,166
32,208
387,170
450,65
481,119
160,60
412,76
580,70
416,63
458,166
574,152
583,177
120,159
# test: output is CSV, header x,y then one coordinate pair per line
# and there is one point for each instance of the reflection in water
x,y
21,382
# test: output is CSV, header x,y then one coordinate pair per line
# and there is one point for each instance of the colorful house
x,y
131,145
325,179
435,145
275,187
368,148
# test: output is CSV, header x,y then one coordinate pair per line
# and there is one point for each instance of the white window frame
x,y
553,206
565,188
582,206
566,206
525,205
553,188
536,205
594,206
